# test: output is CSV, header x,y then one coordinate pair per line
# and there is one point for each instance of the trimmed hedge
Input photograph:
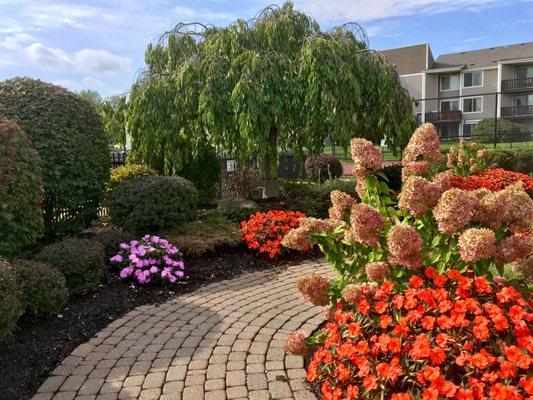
x,y
43,290
322,167
127,172
149,203
507,131
81,261
110,239
10,307
21,219
71,140
518,160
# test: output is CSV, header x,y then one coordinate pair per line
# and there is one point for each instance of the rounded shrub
x,y
149,203
127,172
21,219
43,290
322,167
110,239
72,143
10,307
506,131
81,261
204,173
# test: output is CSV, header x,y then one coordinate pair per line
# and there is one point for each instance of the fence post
x,y
495,119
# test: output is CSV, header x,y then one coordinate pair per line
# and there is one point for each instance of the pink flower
x,y
418,196
295,344
117,258
404,245
366,224
341,202
314,288
476,244
514,247
454,210
352,292
423,146
377,271
366,157
298,238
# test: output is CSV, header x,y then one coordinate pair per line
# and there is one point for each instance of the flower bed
x,y
494,179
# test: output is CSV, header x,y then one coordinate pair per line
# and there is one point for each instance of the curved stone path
x,y
223,341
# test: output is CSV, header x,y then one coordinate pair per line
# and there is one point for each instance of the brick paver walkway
x,y
224,341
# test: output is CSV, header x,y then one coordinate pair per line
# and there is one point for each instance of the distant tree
x,y
113,113
274,83
489,131
92,96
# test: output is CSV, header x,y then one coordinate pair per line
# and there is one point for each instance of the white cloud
x,y
53,15
187,14
334,11
97,62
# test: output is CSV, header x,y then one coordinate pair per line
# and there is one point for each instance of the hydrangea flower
x,y
150,259
477,244
366,157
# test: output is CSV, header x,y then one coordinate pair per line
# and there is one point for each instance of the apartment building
x,y
455,91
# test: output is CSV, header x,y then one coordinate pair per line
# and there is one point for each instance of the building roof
x,y
408,59
485,57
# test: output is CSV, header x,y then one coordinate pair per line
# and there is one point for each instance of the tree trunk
x,y
270,183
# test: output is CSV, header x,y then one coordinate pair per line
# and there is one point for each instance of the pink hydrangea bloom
x,y
340,203
295,344
377,271
418,196
352,292
513,248
314,288
404,245
298,238
424,145
366,157
476,244
454,210
366,224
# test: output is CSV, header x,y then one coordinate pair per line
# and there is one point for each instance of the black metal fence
x,y
117,158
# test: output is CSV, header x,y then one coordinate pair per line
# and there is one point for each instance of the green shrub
x,y
237,210
72,143
110,239
507,131
204,173
10,307
43,290
127,172
81,261
210,233
519,160
149,203
299,190
322,167
21,219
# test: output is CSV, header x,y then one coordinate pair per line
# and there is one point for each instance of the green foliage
x,y
10,307
204,173
126,172
299,190
21,220
113,114
241,183
72,144
507,131
277,83
206,235
322,167
519,160
149,203
393,173
91,96
110,239
237,210
42,288
81,261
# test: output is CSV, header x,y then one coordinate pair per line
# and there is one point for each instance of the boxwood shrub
x,y
21,219
149,203
81,261
518,160
110,239
43,290
10,307
127,172
72,143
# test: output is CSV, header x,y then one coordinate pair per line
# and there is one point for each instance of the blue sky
x,y
99,44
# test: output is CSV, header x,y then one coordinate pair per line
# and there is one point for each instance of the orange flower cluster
x,y
264,231
494,179
445,336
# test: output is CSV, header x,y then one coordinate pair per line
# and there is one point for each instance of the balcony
x,y
517,85
517,112
437,117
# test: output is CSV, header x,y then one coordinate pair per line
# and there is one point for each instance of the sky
x,y
100,44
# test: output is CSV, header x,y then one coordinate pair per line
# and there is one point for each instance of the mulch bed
x,y
37,347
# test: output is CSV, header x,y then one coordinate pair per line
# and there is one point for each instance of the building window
x,y
449,82
524,100
524,72
473,79
449,105
449,131
472,104
468,129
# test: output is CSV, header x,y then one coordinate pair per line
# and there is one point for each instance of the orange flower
x,y
370,382
437,355
482,360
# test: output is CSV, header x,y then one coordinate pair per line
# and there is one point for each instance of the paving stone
x,y
224,341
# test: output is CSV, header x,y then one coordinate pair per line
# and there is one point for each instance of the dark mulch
x,y
37,347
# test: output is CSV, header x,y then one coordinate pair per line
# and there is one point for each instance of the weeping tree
x,y
113,114
272,84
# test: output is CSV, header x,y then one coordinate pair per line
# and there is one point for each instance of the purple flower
x,y
126,272
117,258
154,270
124,246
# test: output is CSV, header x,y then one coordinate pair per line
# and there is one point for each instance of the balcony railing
x,y
514,85
444,116
517,111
